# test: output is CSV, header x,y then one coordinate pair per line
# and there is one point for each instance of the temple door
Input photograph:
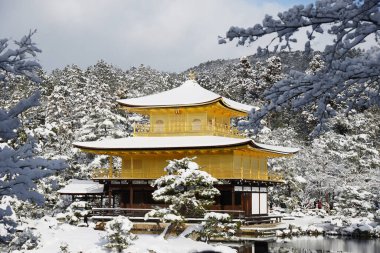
x,y
247,203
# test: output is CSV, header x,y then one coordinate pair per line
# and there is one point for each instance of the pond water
x,y
320,244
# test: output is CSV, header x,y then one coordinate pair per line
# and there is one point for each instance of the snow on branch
x,y
9,121
20,61
349,80
20,169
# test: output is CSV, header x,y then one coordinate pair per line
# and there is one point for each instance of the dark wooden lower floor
x,y
249,199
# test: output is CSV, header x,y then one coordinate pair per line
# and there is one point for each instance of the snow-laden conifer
x,y
20,168
118,233
186,189
217,226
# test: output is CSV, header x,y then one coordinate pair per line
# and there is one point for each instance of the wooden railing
x,y
140,212
185,128
118,174
134,212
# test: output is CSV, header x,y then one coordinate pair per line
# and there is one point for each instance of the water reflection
x,y
319,244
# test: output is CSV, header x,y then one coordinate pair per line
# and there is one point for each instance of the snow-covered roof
x,y
190,93
238,106
177,142
279,149
81,187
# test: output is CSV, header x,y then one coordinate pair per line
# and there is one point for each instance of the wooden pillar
x,y
109,196
101,200
113,200
233,197
131,195
110,171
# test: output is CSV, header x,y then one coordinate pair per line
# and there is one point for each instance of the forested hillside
x,y
340,166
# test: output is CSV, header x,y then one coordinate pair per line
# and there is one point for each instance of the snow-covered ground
x,y
88,240
77,238
318,222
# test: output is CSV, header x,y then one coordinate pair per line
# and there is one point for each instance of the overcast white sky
x,y
169,35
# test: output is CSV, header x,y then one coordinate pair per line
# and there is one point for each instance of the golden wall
x,y
221,166
187,122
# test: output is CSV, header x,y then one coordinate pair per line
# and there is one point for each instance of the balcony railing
x,y
184,128
143,175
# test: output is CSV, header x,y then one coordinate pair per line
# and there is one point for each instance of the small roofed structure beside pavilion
x,y
188,121
83,190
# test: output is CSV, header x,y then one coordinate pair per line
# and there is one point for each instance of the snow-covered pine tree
x,y
243,82
186,189
19,167
316,64
144,80
217,225
264,75
118,233
351,80
272,72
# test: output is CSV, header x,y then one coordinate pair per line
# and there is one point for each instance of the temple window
x,y
196,125
159,127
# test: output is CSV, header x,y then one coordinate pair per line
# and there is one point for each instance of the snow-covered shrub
x,y
363,228
355,202
25,240
64,248
377,215
8,220
48,187
166,215
74,213
118,233
217,225
10,211
314,230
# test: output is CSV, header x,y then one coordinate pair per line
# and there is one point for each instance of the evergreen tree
x,y
19,167
217,225
272,73
242,86
118,233
316,64
187,189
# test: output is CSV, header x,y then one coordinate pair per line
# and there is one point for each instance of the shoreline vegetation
x,y
80,237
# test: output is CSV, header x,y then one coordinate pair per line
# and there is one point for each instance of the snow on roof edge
x,y
178,142
76,186
166,106
279,149
166,142
238,106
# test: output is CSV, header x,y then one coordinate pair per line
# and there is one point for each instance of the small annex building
x,y
187,121
82,189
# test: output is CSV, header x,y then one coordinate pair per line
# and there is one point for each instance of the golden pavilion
x,y
187,121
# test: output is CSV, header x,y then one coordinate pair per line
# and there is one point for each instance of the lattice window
x,y
159,126
196,125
